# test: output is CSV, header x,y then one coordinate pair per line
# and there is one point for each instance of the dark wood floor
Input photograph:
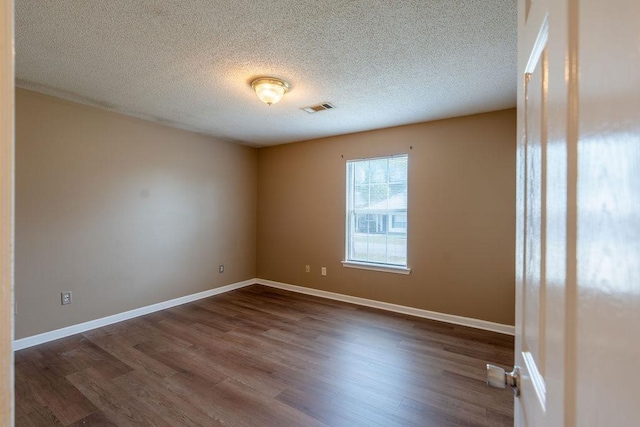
x,y
264,357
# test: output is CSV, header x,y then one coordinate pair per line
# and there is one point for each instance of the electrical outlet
x,y
307,268
324,271
221,268
65,298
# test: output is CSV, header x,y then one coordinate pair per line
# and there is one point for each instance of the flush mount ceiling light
x,y
269,89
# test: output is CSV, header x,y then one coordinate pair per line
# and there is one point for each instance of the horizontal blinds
x,y
377,210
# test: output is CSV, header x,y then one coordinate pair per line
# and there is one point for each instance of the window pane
x,y
361,196
397,249
398,169
361,172
378,170
379,196
398,189
377,209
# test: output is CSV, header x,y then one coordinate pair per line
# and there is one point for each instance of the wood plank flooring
x,y
259,356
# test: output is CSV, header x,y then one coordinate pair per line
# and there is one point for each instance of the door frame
x,y
7,174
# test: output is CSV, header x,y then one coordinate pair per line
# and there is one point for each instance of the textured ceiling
x,y
189,63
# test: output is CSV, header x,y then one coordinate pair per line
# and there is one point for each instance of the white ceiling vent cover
x,y
320,107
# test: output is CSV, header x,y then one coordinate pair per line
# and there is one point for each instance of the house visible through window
x,y
377,211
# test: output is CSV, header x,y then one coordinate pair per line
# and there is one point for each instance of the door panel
x,y
531,356
541,212
608,215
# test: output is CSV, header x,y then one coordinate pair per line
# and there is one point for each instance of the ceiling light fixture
x,y
269,89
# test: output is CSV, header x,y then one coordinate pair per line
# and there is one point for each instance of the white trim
x,y
377,267
104,321
7,211
536,379
538,47
433,315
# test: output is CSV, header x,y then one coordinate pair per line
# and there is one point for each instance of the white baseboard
x,y
433,315
104,321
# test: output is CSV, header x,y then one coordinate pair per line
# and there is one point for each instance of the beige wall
x,y
122,212
461,215
126,213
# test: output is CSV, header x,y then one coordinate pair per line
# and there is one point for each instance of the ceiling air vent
x,y
320,107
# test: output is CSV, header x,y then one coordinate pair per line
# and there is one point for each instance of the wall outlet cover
x,y
65,298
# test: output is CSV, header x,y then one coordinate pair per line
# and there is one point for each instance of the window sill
x,y
377,267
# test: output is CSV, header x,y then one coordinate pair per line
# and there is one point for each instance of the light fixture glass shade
x,y
270,90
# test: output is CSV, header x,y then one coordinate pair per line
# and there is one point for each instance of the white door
x,y
542,213
578,213
607,306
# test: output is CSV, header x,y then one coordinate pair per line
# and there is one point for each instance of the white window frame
x,y
365,265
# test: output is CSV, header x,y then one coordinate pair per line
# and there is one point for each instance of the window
x,y
377,213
